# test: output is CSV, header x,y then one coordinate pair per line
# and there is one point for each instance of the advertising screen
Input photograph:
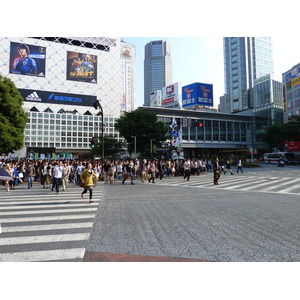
x,y
81,67
27,59
197,94
57,98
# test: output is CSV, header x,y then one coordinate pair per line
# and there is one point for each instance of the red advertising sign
x,y
292,146
169,100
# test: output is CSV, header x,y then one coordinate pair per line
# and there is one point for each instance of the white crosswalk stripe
x,y
241,182
40,225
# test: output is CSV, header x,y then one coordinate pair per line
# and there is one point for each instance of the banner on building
x,y
57,98
27,59
292,75
197,94
81,67
171,93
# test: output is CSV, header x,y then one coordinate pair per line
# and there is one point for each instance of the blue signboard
x,y
175,133
197,94
57,97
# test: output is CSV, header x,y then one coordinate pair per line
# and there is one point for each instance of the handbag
x,y
82,184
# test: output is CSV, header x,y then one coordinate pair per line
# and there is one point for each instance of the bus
x,y
287,157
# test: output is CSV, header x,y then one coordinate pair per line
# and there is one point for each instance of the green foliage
x,y
276,135
111,147
12,117
144,126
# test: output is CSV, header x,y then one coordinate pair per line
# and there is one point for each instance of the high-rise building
x,y
246,59
157,68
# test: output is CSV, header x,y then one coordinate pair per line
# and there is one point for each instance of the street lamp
x,y
97,105
151,144
134,137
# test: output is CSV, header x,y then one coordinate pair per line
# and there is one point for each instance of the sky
x,y
200,59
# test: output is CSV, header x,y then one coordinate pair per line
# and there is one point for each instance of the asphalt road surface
x,y
249,217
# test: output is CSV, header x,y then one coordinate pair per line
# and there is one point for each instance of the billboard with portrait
x,y
197,94
27,59
81,67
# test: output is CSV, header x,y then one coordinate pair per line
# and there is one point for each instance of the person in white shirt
x,y
239,165
187,169
57,176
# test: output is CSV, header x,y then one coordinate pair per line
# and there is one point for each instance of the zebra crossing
x,y
41,225
240,182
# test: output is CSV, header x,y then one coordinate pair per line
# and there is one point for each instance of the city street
x,y
249,217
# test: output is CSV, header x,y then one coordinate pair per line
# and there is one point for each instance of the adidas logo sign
x,y
33,97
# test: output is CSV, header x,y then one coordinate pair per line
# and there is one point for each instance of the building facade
x,y
60,80
207,133
157,68
245,60
291,94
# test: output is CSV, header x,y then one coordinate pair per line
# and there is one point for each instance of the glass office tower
x,y
157,68
245,60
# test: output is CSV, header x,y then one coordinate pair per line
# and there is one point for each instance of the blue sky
x,y
200,59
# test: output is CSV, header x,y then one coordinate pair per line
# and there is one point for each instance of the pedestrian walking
x,y
106,167
65,175
239,165
127,170
79,170
57,176
46,173
187,169
152,171
87,181
9,170
228,166
30,173
217,170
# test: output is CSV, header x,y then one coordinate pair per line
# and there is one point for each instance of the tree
x,y
13,118
111,147
144,126
276,135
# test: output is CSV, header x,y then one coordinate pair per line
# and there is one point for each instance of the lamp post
x,y
134,137
151,144
97,105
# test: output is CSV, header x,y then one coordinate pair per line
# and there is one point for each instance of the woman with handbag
x,y
86,178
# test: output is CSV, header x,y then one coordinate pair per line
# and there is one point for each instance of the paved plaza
x,y
249,217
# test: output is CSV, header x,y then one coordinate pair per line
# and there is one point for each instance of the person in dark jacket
x,y
217,170
30,173
127,169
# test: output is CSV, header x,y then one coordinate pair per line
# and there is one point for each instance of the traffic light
x,y
200,123
93,143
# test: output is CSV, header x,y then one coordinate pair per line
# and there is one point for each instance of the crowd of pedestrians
x,y
86,173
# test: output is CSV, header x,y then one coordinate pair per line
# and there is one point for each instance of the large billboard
x,y
292,75
171,93
197,94
57,98
81,67
27,59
